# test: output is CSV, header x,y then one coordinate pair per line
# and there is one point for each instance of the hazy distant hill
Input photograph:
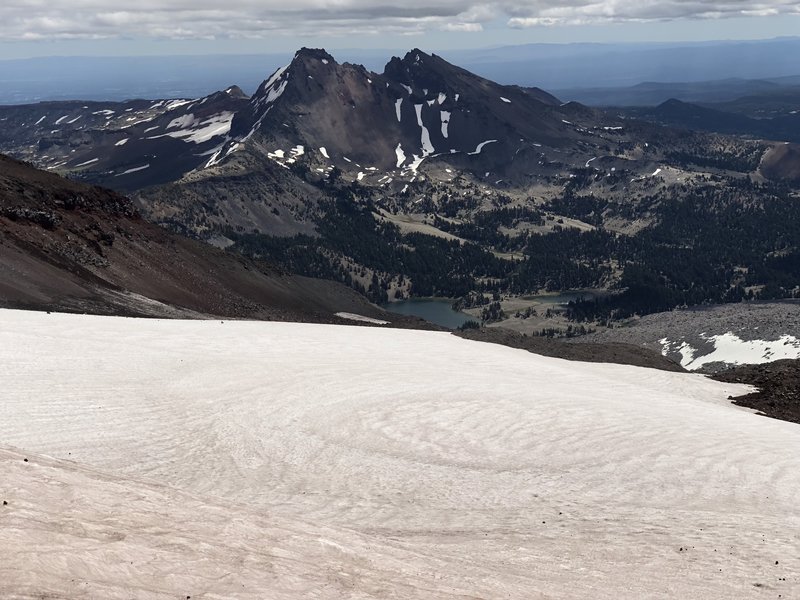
x,y
652,93
710,118
551,66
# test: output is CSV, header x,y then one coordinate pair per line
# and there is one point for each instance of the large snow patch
x,y
372,462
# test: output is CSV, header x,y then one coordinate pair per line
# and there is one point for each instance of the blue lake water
x,y
438,311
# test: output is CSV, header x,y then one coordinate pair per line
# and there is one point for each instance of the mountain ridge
x,y
65,246
428,180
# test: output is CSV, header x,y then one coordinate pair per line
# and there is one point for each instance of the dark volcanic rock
x,y
778,384
782,162
71,247
420,106
624,354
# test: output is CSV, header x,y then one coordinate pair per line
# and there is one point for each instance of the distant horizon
x,y
550,66
389,50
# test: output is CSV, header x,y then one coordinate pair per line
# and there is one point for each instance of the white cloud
x,y
467,27
586,12
200,19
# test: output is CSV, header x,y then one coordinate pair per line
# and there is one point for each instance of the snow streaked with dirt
x,y
681,332
250,460
401,156
273,87
362,318
479,148
192,129
177,104
445,118
425,136
133,170
730,349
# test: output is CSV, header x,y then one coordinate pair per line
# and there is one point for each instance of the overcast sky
x,y
113,27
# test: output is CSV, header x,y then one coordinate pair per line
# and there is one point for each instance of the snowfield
x,y
730,349
198,131
275,460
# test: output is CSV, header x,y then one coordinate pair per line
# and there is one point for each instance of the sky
x,y
161,27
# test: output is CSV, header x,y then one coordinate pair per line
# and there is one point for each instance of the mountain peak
x,y
236,92
334,114
416,61
306,64
305,55
416,56
421,71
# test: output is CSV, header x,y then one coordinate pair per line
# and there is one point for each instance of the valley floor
x,y
212,459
